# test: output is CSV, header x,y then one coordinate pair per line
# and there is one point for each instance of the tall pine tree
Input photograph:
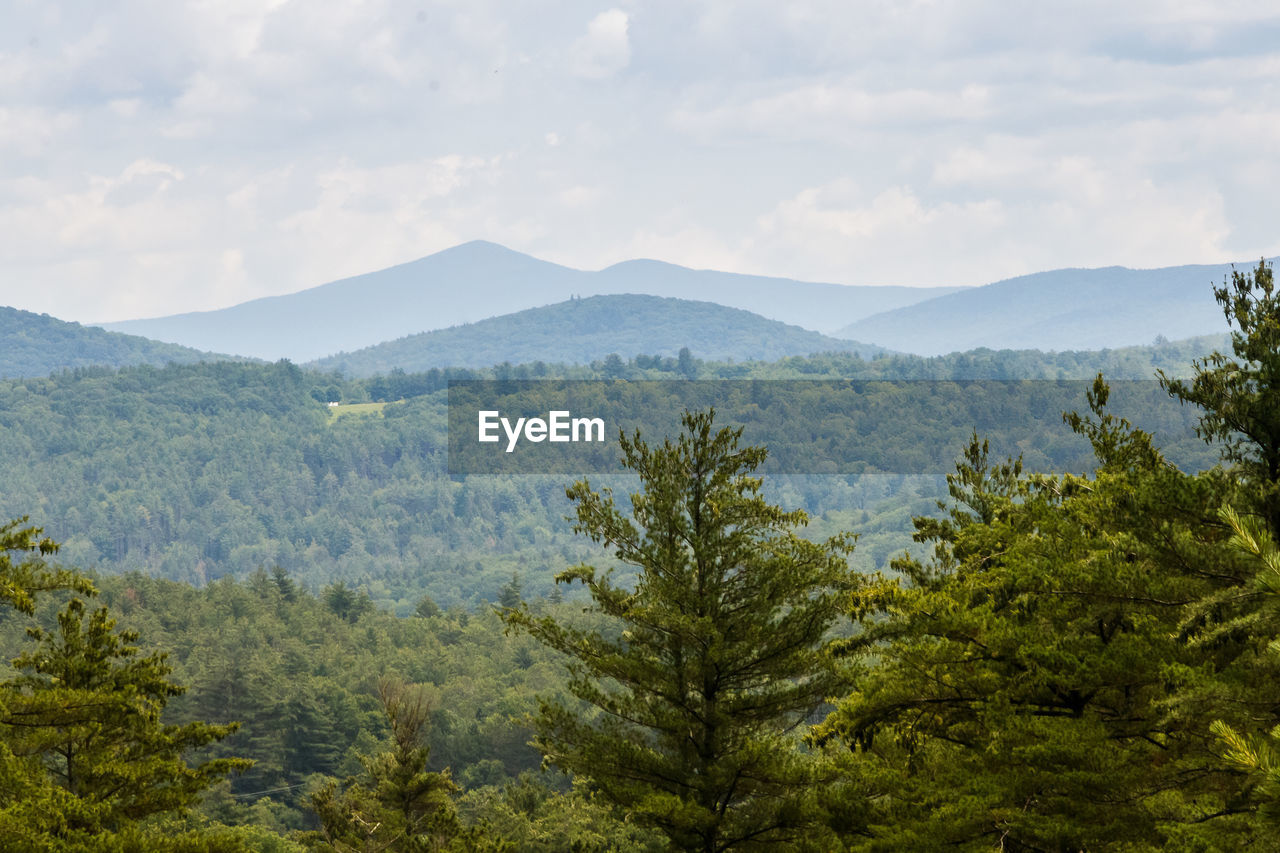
x,y
710,660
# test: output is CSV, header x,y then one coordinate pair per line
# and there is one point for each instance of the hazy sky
x,y
165,156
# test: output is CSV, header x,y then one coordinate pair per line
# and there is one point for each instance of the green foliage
x,y
199,471
37,345
302,681
1083,662
710,661
21,581
89,707
345,602
1018,682
538,819
1063,662
85,760
509,597
1240,397
1257,756
397,805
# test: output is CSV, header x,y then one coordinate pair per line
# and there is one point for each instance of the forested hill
x,y
37,344
583,330
197,471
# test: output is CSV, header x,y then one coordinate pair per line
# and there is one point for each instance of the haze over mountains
x,y
1071,309
479,280
584,330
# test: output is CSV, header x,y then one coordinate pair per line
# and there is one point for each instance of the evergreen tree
x,y
346,602
88,706
509,595
21,581
1030,686
1237,625
84,757
685,364
712,658
1241,396
398,806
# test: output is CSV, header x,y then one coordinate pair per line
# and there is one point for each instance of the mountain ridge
x,y
580,331
1056,310
479,280
36,345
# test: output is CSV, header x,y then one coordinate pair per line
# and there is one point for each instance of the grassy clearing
x,y
355,409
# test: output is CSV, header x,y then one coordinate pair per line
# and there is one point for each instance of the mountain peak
x,y
479,279
478,248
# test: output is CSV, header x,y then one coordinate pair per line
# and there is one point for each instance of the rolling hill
x,y
478,280
584,330
1070,309
34,345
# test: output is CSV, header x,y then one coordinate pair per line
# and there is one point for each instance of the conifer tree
x,y
713,656
1240,396
89,706
397,806
1031,685
85,759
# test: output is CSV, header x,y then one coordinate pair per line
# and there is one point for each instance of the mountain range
x,y
479,280
1069,309
580,331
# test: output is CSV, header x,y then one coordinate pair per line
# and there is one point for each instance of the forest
x,y
240,618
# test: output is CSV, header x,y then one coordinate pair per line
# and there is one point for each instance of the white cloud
x,y
579,196
161,251
605,49
826,110
167,157
1071,211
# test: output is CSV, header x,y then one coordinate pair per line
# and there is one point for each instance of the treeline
x,y
199,471
1139,362
195,472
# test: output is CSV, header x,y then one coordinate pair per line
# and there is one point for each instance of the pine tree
x,y
1025,682
1241,396
84,757
21,581
509,595
712,658
88,706
398,805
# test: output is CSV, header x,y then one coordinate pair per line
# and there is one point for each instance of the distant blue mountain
x,y
478,280
584,330
1070,309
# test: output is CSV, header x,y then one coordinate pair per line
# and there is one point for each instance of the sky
x,y
180,155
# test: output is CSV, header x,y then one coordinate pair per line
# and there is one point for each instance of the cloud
x,y
825,110
161,241
167,157
1068,211
605,48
